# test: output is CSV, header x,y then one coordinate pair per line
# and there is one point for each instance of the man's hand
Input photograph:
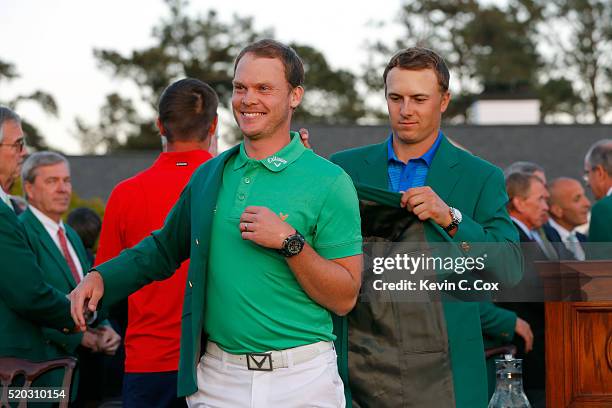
x,y
523,329
90,340
108,340
426,204
86,297
263,227
304,137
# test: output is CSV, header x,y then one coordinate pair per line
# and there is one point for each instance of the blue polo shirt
x,y
403,176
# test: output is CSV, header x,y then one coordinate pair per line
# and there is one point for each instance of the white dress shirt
x,y
5,197
52,228
569,239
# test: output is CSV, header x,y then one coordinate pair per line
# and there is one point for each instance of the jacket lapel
x,y
47,242
374,172
443,175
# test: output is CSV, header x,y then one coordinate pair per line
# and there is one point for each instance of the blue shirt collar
x,y
427,157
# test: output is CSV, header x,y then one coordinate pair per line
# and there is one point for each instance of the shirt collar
x,y
278,161
522,226
563,232
47,222
427,157
182,159
5,198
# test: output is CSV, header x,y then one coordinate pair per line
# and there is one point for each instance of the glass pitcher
x,y
509,388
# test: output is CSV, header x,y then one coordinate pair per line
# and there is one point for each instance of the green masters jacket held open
x,y
477,189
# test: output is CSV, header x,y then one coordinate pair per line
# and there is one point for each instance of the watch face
x,y
457,215
294,246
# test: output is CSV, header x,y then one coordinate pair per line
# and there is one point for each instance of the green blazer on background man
x,y
57,274
477,189
26,301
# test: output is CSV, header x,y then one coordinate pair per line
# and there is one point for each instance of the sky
x,y
53,42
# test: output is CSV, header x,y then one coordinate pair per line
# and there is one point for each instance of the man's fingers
x,y
253,209
94,299
76,308
248,217
248,235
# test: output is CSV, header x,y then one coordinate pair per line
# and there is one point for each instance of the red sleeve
x,y
112,236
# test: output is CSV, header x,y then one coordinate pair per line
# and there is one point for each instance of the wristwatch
x,y
292,245
456,219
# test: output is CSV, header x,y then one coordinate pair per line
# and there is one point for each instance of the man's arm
x,y
329,271
155,258
22,287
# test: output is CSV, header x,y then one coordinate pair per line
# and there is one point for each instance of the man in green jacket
x,y
26,301
598,175
272,251
461,200
62,257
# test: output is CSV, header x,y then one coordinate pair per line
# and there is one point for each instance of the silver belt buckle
x,y
259,361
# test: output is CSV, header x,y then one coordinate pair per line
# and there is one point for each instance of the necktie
x,y
573,244
64,244
548,248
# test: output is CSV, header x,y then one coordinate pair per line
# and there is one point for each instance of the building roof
x,y
560,149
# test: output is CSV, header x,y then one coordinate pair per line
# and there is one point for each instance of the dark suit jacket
x,y
26,301
477,189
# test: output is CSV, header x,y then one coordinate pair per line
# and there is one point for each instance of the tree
x,y
580,35
488,48
44,100
202,47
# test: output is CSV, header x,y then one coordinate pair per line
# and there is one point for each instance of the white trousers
x,y
315,383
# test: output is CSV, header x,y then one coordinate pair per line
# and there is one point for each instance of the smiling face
x,y
263,100
51,190
415,105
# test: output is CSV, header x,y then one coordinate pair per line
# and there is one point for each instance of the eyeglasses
x,y
18,145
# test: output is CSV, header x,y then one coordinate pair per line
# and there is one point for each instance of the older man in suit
x,y
23,307
461,200
60,254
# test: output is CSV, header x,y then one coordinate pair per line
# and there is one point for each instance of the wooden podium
x,y
579,339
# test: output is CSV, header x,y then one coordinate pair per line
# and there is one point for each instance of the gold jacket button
x,y
65,330
465,246
190,284
197,241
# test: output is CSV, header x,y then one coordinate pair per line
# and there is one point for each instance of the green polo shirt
x,y
253,301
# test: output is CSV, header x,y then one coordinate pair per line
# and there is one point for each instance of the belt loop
x,y
289,356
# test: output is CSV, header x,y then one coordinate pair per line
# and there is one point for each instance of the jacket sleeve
x,y
490,231
497,323
22,287
155,258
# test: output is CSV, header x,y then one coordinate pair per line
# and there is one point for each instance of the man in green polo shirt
x,y
273,233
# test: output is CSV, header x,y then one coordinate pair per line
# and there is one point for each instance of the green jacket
x,y
600,230
185,234
57,274
477,189
26,301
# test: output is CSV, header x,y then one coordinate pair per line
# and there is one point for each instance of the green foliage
x,y
44,100
202,47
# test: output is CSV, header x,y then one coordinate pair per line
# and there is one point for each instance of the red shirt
x,y
136,207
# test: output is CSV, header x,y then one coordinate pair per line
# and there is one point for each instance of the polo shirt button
x,y
247,180
241,197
